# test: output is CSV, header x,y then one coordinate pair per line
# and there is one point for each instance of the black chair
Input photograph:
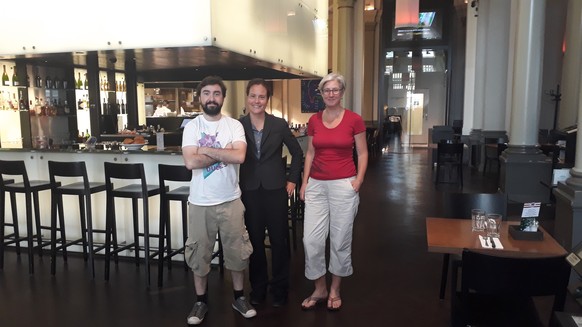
x,y
372,140
295,211
459,205
493,149
30,189
135,191
60,172
171,173
450,159
14,237
497,291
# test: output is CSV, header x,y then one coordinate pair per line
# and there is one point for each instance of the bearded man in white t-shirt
x,y
213,146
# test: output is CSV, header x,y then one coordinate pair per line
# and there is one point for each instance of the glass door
x,y
416,84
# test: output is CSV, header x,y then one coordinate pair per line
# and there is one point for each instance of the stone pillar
x,y
485,104
344,46
470,70
571,78
496,14
522,160
568,225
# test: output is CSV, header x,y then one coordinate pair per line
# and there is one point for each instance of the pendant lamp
x,y
406,14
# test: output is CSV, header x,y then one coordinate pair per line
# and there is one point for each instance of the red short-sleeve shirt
x,y
334,146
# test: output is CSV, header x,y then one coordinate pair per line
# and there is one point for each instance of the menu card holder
x,y
525,236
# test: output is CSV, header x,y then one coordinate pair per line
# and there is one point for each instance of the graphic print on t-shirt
x,y
210,141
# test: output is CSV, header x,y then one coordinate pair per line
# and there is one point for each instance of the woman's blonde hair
x,y
332,77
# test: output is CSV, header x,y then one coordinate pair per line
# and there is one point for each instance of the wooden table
x,y
446,235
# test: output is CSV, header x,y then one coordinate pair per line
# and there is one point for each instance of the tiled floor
x,y
396,281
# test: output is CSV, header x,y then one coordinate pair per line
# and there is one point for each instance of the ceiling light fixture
x,y
406,13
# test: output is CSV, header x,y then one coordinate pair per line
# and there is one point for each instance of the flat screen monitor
x,y
429,28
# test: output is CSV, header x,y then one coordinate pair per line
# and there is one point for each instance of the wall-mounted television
x,y
429,28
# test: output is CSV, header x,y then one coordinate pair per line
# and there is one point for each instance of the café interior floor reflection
x,y
395,282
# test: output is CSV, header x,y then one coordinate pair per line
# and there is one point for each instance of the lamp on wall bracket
x,y
406,14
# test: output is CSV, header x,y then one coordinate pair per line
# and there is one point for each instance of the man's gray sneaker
x,y
197,314
244,307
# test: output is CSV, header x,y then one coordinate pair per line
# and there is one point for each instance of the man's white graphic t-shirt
x,y
217,183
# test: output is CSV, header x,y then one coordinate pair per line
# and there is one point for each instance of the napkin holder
x,y
525,236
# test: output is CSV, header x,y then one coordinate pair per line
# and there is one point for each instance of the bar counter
x,y
36,161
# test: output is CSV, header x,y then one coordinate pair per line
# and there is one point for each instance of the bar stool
x,y
30,189
171,173
83,190
14,237
134,192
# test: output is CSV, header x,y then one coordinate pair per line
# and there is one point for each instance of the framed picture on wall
x,y
311,100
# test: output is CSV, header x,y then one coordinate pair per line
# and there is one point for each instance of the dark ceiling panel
x,y
174,64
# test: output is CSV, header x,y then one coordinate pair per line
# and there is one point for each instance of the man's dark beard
x,y
211,111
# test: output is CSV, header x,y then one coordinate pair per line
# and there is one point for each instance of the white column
x,y
495,51
570,85
470,70
577,170
344,37
357,58
527,74
480,68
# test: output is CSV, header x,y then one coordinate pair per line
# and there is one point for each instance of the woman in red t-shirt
x,y
331,182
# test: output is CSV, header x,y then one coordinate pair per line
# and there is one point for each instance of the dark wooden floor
x,y
395,281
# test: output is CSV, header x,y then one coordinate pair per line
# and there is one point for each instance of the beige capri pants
x,y
204,222
330,208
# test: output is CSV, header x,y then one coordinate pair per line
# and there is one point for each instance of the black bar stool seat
x,y
135,191
83,190
30,189
172,173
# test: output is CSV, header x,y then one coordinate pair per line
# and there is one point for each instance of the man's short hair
x,y
212,80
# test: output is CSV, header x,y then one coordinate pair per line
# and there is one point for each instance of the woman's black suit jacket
x,y
269,170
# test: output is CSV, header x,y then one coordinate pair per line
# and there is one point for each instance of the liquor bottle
x,y
86,84
57,83
123,85
105,107
14,102
5,79
122,107
48,82
37,79
79,84
67,109
15,81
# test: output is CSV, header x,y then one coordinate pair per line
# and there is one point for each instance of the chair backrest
x,y
496,275
450,152
14,168
68,169
124,171
459,205
173,173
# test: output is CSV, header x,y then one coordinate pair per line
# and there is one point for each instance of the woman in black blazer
x,y
265,190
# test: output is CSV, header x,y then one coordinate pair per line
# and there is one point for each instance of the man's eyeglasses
x,y
332,91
